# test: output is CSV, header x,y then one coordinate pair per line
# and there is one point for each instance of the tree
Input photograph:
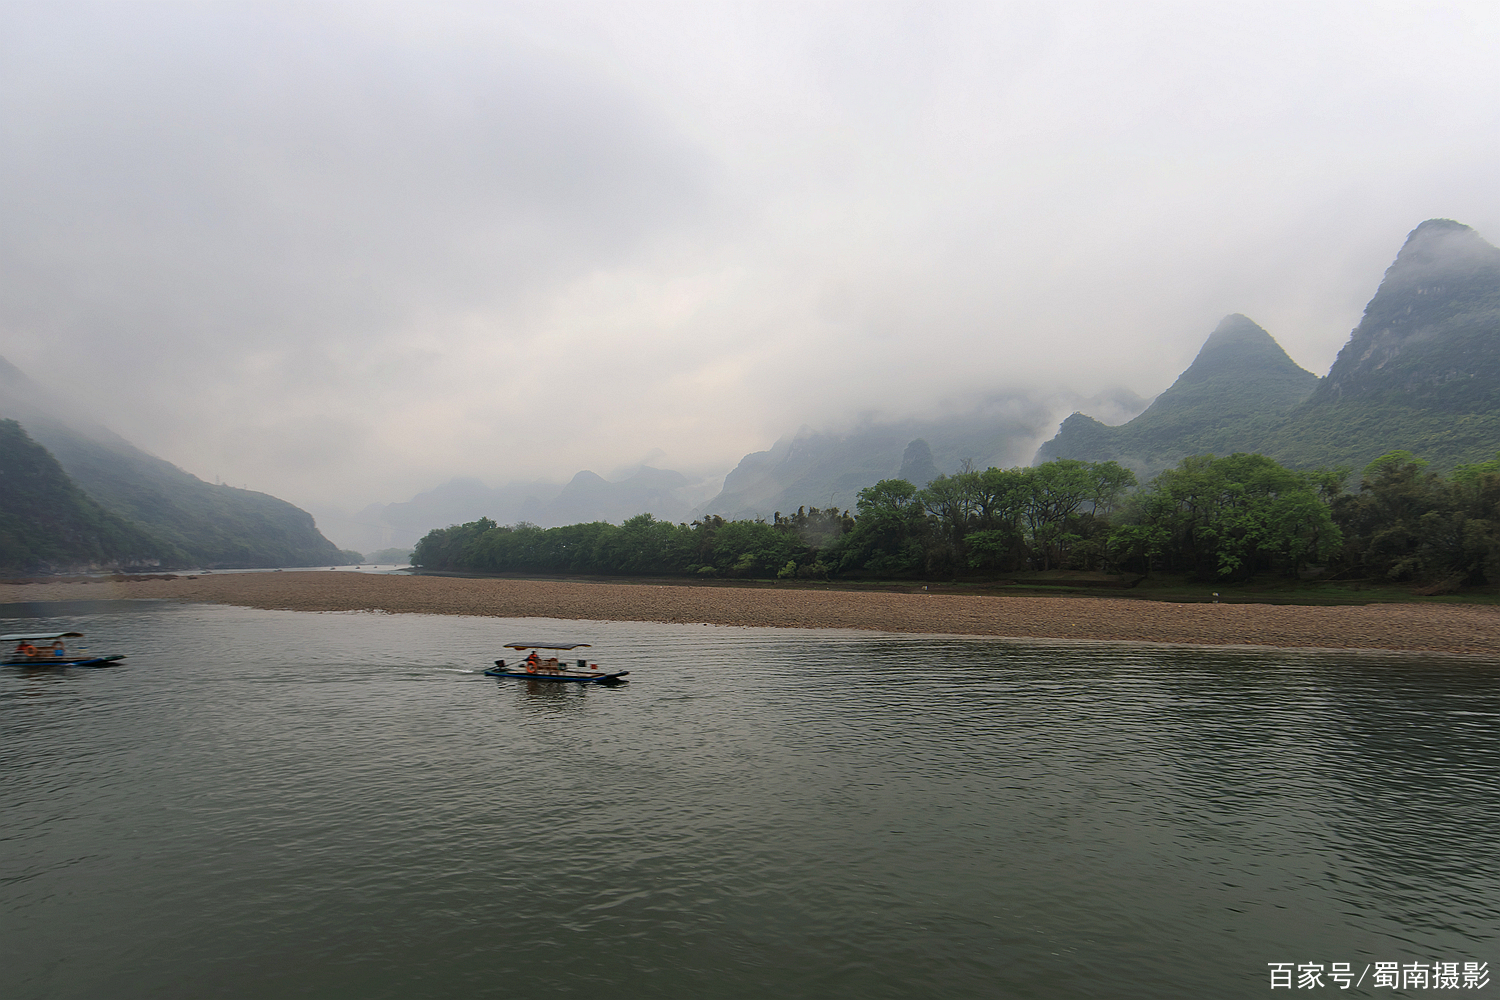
x,y
1059,492
1407,523
1230,517
889,530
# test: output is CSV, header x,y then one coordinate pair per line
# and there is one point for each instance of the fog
x,y
343,252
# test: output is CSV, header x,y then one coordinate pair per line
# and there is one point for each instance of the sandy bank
x,y
1443,628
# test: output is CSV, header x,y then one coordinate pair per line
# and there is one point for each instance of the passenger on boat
x,y
57,648
532,662
27,649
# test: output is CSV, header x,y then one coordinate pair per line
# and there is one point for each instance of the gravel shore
x,y
1417,627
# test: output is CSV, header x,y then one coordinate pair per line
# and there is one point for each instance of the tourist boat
x,y
535,667
50,649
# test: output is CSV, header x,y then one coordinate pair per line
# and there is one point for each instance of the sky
x,y
342,252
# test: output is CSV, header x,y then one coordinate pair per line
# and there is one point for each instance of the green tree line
x,y
1210,518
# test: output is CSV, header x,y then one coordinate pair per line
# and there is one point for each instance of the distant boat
x,y
539,668
52,652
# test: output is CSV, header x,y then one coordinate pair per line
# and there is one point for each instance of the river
x,y
269,804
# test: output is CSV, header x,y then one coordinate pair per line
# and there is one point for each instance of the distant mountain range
x,y
669,495
1421,373
156,514
809,468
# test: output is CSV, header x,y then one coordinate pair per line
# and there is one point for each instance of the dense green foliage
x,y
996,520
1230,517
642,546
1355,431
48,524
1212,518
1407,523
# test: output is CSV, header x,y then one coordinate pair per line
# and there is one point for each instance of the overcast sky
x,y
343,252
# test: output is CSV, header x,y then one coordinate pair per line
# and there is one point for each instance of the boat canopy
x,y
545,645
39,636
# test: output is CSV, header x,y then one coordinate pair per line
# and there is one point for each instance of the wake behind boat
x,y
50,649
535,667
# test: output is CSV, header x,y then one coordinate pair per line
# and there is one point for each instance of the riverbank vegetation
x,y
1232,519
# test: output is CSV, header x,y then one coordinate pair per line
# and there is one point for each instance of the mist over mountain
x,y
1229,399
817,469
917,465
1421,372
669,495
1430,333
589,497
194,522
401,524
809,468
49,525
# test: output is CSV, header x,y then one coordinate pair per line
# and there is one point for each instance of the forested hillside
x,y
1420,373
47,524
198,523
214,525
1236,392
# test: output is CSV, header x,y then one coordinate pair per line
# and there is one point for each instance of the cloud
x,y
341,252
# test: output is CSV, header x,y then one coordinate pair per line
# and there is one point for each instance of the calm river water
x,y
270,804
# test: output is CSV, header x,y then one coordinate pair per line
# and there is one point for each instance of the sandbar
x,y
1464,629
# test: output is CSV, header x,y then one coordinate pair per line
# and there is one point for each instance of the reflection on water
x,y
262,803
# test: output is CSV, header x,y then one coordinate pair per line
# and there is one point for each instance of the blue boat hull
x,y
63,661
561,677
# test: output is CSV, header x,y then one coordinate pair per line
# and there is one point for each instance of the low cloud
x,y
341,253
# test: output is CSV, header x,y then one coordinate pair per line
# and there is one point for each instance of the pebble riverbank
x,y
1465,629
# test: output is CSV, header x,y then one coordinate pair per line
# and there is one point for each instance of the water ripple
x,y
261,803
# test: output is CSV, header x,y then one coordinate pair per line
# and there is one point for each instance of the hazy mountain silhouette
x,y
48,524
816,469
669,495
206,524
1420,372
1233,395
917,466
